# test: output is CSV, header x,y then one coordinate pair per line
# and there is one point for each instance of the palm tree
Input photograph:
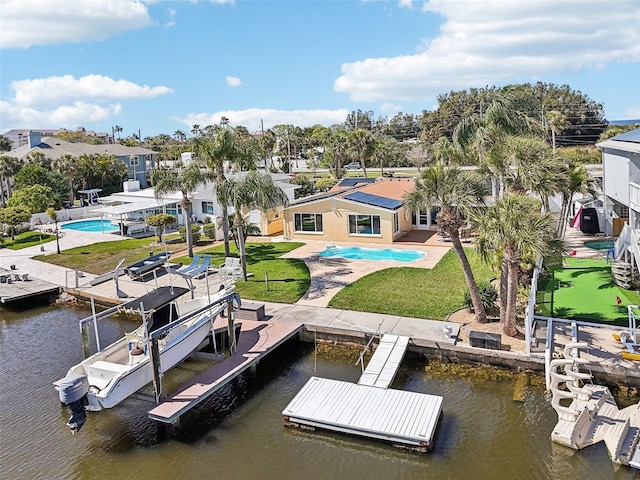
x,y
578,181
456,193
515,227
53,215
254,191
485,129
214,153
182,179
9,166
361,145
66,165
556,122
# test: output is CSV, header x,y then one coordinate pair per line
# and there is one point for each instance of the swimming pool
x,y
91,226
361,253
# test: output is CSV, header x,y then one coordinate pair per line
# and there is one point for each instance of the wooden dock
x,y
369,408
257,339
23,287
385,361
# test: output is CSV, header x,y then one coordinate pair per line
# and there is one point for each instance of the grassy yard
x,y
288,278
413,292
582,289
103,257
26,239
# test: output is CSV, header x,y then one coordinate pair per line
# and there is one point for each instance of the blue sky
x,y
162,66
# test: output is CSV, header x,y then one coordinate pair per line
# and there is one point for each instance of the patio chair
x,y
201,269
231,268
193,265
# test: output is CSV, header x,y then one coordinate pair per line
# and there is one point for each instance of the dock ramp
x,y
385,361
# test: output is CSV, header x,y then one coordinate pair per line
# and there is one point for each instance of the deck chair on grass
x,y
194,264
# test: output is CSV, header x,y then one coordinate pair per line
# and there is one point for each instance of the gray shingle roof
x,y
54,148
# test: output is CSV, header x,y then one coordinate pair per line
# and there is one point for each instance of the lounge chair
x,y
201,269
193,265
139,269
231,268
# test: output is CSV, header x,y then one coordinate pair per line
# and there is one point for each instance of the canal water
x,y
238,434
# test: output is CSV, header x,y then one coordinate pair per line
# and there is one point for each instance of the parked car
x,y
352,166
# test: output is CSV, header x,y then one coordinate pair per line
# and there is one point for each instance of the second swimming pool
x,y
91,226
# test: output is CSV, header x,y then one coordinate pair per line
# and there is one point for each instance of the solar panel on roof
x,y
375,200
350,182
632,136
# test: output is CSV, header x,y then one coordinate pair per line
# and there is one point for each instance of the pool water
x,y
361,253
91,226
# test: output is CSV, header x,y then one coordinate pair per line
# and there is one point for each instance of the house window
x,y
308,222
134,161
174,209
396,223
364,224
207,207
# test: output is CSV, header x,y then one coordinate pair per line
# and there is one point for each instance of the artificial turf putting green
x,y
582,289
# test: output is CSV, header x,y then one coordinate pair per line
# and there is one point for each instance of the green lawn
x,y
583,290
103,257
288,279
413,292
27,239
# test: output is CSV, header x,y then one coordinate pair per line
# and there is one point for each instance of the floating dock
x,y
18,286
369,408
257,339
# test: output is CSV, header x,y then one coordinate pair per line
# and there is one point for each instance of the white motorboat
x,y
116,372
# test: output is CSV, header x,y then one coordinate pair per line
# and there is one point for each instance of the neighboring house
x,y
139,161
357,210
21,137
621,181
135,205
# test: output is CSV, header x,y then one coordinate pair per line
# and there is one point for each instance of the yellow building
x,y
355,210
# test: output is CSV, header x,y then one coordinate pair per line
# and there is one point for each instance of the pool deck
x,y
329,275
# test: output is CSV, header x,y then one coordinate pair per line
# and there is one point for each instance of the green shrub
x,y
195,233
209,229
325,183
488,295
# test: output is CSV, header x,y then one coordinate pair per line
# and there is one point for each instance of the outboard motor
x,y
73,393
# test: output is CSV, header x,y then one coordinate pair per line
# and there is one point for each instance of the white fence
x,y
529,320
65,215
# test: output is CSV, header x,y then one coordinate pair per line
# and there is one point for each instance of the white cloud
x,y
252,117
27,23
67,116
493,42
58,89
234,81
66,101
171,13
406,4
390,108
